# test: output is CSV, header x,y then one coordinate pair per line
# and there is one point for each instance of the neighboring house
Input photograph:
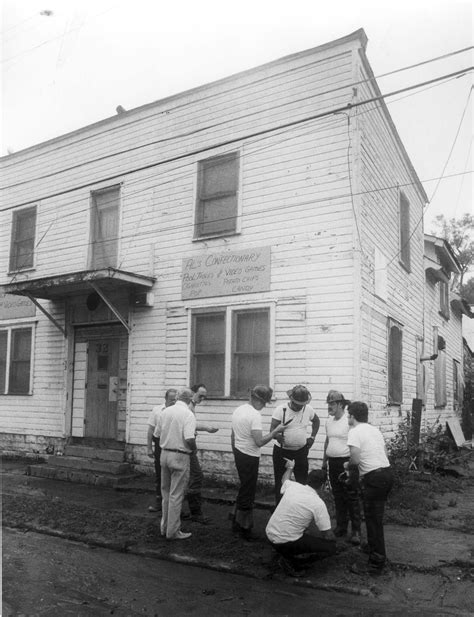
x,y
442,367
265,228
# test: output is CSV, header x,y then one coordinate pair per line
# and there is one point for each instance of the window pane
x,y
208,360
3,359
395,365
105,219
20,361
251,351
405,231
23,239
219,176
218,216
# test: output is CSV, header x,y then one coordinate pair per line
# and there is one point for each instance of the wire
x,y
244,137
462,180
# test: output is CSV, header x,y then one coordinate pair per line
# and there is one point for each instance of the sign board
x,y
223,274
456,431
12,306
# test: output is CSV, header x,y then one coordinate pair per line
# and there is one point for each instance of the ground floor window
x,y
395,355
15,359
230,349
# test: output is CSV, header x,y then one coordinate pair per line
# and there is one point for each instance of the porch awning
x,y
435,271
62,285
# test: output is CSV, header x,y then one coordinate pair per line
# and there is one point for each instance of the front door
x,y
102,388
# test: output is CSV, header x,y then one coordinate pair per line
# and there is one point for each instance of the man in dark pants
x,y
299,507
368,452
153,444
294,443
193,493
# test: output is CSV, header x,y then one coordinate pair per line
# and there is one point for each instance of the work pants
x,y
174,479
375,487
346,496
300,470
247,469
312,546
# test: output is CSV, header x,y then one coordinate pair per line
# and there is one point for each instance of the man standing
x,y
153,444
196,476
336,453
176,430
294,444
247,440
368,452
299,507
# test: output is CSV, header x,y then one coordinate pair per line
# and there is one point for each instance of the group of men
x,y
354,460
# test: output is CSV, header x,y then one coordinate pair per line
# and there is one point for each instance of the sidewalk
x,y
422,558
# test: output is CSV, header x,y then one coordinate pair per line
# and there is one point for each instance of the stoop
x,y
101,464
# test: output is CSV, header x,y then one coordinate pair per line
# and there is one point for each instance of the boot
x,y
194,502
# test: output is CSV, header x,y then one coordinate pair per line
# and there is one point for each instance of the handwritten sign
x,y
223,274
15,306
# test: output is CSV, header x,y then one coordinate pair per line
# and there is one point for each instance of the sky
x,y
69,63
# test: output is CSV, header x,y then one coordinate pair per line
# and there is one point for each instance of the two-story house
x,y
264,228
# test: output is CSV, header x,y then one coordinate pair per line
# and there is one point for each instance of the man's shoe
x,y
364,547
180,536
288,568
200,518
155,509
355,538
185,516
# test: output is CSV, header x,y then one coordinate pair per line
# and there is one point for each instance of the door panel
x,y
102,388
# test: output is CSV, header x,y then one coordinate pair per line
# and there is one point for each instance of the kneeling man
x,y
299,506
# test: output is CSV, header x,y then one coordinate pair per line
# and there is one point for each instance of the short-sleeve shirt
x,y
175,425
298,507
246,419
336,433
371,443
295,434
153,417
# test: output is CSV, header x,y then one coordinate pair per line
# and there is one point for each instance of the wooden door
x,y
102,388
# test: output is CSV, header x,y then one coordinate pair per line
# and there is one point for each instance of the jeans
x,y
300,469
375,487
346,497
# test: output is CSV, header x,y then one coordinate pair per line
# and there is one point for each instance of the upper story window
x,y
405,235
230,350
444,298
15,360
22,248
440,374
395,350
105,227
217,196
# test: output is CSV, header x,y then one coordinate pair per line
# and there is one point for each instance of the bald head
x,y
185,395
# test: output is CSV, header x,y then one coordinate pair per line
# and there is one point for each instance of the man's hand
x,y
150,454
289,464
309,442
212,429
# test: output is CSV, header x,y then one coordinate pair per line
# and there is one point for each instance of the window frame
x,y
229,311
24,325
392,400
197,236
15,267
458,389
443,290
93,219
440,381
404,209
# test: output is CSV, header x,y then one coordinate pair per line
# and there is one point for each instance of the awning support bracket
x,y
43,310
114,310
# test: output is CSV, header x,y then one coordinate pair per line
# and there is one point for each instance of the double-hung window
x,y
22,247
217,196
405,236
15,360
440,374
230,350
105,227
395,355
444,298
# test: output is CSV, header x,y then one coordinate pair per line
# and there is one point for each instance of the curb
x,y
218,566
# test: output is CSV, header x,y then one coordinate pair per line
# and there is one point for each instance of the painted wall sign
x,y
223,274
12,306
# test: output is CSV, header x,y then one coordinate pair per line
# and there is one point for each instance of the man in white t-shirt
x,y
336,454
294,444
176,429
368,452
299,507
153,443
247,440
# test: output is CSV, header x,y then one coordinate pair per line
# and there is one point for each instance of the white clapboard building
x,y
264,228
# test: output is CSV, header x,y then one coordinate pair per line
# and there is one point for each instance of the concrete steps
x,y
86,464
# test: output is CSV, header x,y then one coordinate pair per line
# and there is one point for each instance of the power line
x,y
234,140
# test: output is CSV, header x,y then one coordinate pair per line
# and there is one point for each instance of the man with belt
x,y
368,452
294,444
153,443
176,430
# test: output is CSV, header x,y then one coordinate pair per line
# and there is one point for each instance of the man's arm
x,y
200,426
273,426
314,430
289,465
260,439
355,455
149,440
328,535
232,438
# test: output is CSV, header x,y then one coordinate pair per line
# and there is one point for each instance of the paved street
x,y
43,575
